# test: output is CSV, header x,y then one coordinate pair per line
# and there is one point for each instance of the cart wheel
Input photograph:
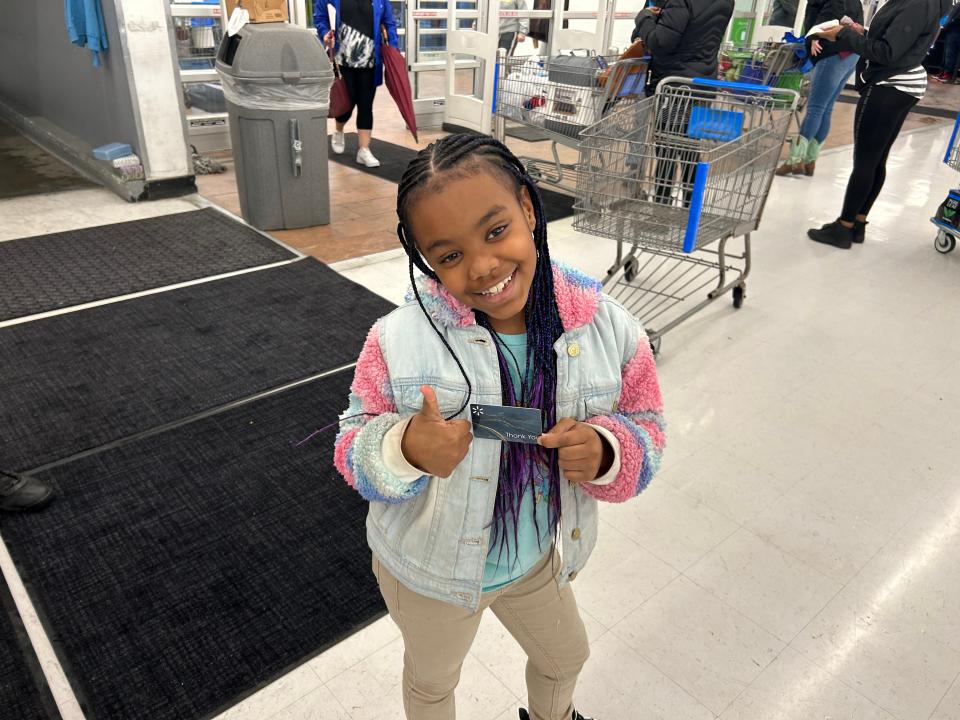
x,y
945,242
630,269
739,293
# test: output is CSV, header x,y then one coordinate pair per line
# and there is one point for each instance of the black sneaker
x,y
19,493
859,231
833,234
524,715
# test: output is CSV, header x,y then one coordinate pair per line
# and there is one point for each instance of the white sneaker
x,y
338,143
365,157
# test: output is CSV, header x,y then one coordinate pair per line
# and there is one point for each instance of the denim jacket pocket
x,y
604,402
450,396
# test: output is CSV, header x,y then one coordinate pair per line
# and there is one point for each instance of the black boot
x,y
524,715
859,231
23,492
833,234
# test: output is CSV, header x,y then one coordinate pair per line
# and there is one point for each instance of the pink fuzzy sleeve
x,y
370,416
638,425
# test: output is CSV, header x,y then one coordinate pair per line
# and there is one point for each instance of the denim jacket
x,y
432,534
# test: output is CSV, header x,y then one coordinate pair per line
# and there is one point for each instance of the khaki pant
x,y
437,636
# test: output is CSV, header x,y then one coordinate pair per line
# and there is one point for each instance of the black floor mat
x,y
527,133
60,270
77,381
184,571
24,694
28,169
395,158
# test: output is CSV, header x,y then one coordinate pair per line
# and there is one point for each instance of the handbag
x,y
579,70
339,95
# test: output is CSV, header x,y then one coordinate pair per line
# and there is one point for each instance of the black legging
x,y
880,115
673,121
362,87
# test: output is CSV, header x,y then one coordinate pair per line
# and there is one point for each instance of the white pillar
x,y
154,77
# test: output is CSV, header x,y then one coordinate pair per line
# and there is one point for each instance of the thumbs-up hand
x,y
582,454
433,444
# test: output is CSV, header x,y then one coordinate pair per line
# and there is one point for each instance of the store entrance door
x,y
469,105
451,47
573,25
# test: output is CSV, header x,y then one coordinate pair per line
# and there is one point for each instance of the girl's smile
x,y
501,292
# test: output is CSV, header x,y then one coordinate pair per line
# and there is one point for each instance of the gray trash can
x,y
276,80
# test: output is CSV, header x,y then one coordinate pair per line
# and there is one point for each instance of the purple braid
x,y
520,465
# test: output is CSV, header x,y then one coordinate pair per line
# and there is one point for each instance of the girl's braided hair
x,y
465,155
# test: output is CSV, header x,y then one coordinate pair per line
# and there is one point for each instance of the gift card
x,y
508,424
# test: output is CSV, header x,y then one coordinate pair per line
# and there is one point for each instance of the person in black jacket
x,y
683,39
891,80
832,67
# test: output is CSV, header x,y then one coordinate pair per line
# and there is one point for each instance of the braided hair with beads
x,y
521,466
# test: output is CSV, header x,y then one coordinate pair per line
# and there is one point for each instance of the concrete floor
x,y
26,169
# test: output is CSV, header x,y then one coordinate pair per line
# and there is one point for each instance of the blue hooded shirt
x,y
85,26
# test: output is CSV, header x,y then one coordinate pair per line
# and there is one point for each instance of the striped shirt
x,y
913,82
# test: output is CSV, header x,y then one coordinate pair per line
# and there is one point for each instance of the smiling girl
x,y
459,524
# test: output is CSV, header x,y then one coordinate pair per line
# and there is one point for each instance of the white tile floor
x,y
798,558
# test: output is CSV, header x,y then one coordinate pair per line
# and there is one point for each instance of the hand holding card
x,y
432,444
583,454
507,423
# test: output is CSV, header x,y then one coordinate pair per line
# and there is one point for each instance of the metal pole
x,y
499,121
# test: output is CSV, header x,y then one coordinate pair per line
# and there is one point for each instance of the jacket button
x,y
575,534
573,350
572,576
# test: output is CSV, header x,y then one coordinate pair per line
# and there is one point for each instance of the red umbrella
x,y
398,83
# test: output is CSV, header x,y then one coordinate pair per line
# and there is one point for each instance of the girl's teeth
x,y
498,288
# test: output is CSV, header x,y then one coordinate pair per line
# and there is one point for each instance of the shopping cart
x,y
557,100
947,218
671,175
776,64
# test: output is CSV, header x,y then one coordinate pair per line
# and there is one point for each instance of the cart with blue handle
x,y
672,179
947,218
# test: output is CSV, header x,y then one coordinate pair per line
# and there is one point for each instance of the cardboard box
x,y
261,11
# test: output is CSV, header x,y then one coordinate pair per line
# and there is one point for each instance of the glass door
x,y
426,47
622,24
581,25
471,47
198,27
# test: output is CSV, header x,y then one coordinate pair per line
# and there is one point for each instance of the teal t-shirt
x,y
503,568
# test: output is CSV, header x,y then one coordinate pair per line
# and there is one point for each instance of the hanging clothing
x,y
85,26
